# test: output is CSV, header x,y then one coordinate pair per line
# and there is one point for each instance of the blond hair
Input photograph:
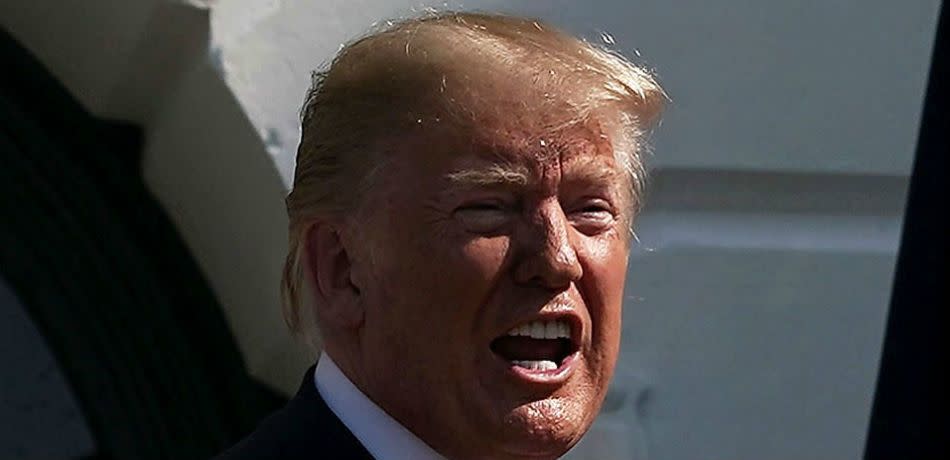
x,y
383,82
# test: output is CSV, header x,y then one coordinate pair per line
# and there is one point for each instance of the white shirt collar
x,y
379,433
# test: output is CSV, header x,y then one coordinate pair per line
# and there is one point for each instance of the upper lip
x,y
560,313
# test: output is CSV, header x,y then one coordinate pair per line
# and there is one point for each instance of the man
x,y
459,225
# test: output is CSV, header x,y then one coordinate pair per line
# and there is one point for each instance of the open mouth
x,y
538,346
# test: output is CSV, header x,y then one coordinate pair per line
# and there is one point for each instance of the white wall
x,y
756,301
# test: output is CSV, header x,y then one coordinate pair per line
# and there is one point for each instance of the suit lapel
x,y
309,411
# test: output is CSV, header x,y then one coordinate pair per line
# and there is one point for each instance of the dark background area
x,y
108,283
910,414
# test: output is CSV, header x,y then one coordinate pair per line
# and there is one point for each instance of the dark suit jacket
x,y
304,429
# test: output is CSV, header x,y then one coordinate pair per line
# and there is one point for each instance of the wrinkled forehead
x,y
513,135
537,145
516,151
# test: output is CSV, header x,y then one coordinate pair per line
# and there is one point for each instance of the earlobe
x,y
336,292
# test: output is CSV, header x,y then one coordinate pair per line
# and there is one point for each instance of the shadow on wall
x,y
107,280
206,165
147,61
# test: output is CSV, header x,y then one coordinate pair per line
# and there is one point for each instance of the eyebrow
x,y
593,172
495,174
501,174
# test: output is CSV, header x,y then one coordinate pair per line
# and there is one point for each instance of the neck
x,y
346,357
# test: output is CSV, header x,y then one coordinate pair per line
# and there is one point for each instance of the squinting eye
x,y
592,218
593,209
482,217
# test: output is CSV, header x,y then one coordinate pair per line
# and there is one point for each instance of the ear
x,y
337,295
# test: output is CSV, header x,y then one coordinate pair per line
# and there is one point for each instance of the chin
x,y
546,428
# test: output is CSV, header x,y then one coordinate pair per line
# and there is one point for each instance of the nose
x,y
548,256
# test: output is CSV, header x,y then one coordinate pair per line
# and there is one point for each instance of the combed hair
x,y
383,83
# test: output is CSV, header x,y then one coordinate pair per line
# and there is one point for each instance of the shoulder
x,y
280,435
304,428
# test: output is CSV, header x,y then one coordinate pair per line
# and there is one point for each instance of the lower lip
x,y
550,377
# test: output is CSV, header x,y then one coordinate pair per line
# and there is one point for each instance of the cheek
x,y
445,280
605,269
483,258
466,274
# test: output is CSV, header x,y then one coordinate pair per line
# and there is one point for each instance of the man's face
x,y
496,262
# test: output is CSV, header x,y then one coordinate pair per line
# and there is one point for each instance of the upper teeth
x,y
543,330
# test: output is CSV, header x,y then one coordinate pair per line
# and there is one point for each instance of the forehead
x,y
550,160
528,144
